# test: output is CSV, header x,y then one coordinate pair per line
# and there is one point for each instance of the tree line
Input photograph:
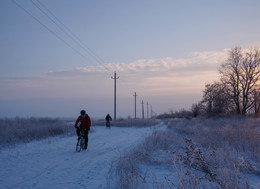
x,y
238,90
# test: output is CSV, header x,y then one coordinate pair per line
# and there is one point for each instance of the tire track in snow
x,y
54,163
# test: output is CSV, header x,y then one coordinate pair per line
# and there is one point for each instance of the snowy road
x,y
54,163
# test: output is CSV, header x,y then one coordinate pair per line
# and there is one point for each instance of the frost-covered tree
x,y
197,109
256,107
240,74
215,99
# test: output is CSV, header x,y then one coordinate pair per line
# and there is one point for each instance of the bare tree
x,y
256,107
197,109
240,73
230,73
216,100
249,78
208,98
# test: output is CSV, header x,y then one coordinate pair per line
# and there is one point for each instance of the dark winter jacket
x,y
108,118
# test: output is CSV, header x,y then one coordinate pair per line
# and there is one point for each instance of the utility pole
x,y
135,103
115,78
151,112
142,109
147,110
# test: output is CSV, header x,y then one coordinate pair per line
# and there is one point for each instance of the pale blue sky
x,y
175,44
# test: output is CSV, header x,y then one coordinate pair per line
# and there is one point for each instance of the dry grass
x,y
203,153
128,122
13,131
243,135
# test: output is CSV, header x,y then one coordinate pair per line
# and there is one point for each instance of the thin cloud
x,y
197,62
152,76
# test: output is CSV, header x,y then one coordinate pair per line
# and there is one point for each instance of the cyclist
x,y
108,119
85,124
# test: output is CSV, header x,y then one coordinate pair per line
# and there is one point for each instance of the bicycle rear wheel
x,y
108,124
82,143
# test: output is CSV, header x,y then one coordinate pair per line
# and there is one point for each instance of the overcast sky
x,y
57,56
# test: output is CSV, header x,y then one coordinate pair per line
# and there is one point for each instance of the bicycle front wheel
x,y
79,146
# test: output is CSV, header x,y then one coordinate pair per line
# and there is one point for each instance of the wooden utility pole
x,y
135,103
115,78
151,112
147,110
142,109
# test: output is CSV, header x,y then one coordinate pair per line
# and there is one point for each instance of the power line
x,y
69,33
55,34
54,19
52,32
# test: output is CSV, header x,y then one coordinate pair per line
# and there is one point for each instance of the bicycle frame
x,y
81,141
108,124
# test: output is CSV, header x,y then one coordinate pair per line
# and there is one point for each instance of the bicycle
x,y
81,141
108,124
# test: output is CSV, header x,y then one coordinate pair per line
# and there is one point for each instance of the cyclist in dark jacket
x,y
108,119
85,124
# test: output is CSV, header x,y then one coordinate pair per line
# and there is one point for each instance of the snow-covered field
x,y
198,153
54,163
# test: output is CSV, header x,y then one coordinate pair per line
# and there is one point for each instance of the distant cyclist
x,y
108,119
85,124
